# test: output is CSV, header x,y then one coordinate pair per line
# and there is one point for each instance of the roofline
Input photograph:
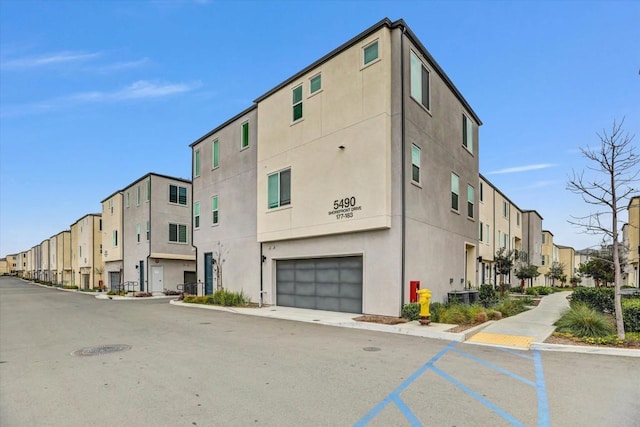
x,y
84,216
110,196
533,211
386,22
501,193
140,179
223,125
547,231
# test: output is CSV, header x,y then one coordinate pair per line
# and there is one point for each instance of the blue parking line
x,y
514,353
541,390
495,367
495,408
408,414
396,393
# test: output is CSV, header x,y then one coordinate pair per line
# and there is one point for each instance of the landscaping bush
x,y
510,306
494,315
171,292
69,287
435,309
539,290
119,293
487,296
220,297
631,314
600,299
411,311
454,314
583,321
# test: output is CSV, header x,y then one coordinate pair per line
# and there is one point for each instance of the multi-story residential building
x,y
366,175
156,224
12,264
112,239
53,259
532,241
549,256
63,258
582,257
21,264
86,252
567,259
633,239
4,266
37,262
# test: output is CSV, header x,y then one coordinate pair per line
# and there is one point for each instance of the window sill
x,y
468,151
244,148
369,64
178,243
417,184
217,224
295,122
314,93
471,219
454,211
280,208
421,105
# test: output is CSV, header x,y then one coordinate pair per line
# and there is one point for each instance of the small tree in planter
x,y
504,260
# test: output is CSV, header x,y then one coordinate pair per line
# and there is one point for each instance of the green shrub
x,y
220,297
533,291
411,311
69,287
510,306
539,290
631,314
487,296
454,314
600,299
436,309
583,321
494,315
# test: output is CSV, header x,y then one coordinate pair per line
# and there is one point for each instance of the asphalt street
x,y
180,366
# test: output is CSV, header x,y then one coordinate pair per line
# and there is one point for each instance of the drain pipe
x,y
403,167
262,259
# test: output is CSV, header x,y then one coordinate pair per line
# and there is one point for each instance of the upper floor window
x,y
244,143
127,200
177,233
114,238
470,200
279,189
177,194
505,209
467,133
138,232
370,52
455,191
481,192
148,189
148,230
196,215
214,210
296,103
544,238
419,81
518,218
315,83
138,195
415,163
215,161
196,163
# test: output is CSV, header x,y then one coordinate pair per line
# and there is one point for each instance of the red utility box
x,y
414,285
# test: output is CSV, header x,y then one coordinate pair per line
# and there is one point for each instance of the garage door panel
x,y
332,284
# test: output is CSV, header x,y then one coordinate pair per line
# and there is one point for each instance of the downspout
x,y
147,267
403,167
262,259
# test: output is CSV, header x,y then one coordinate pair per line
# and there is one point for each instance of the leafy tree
x,y
556,271
527,271
504,260
615,165
599,269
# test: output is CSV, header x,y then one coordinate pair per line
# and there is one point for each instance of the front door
x,y
157,277
208,273
141,268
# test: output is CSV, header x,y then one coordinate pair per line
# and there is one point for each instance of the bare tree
x,y
218,261
615,166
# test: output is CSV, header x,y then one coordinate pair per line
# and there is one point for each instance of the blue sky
x,y
94,94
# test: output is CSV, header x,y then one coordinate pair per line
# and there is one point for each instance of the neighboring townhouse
x,y
37,262
549,255
366,167
156,224
112,239
86,252
53,261
21,263
633,245
582,257
4,267
30,269
45,273
224,205
567,258
12,264
63,258
532,242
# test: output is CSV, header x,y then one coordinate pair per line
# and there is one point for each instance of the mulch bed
x,y
560,339
385,320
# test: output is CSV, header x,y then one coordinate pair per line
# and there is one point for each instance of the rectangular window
x,y
148,231
215,161
296,103
481,232
177,194
499,237
370,52
455,191
481,192
138,195
196,163
518,218
279,189
196,215
138,232
467,133
114,238
543,238
245,135
419,81
315,84
177,233
214,210
486,234
505,240
127,200
415,163
470,200
505,209
148,189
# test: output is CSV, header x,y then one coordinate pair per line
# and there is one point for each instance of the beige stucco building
x,y
633,242
63,258
112,239
86,252
366,180
567,258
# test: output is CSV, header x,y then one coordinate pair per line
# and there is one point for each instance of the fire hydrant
x,y
424,297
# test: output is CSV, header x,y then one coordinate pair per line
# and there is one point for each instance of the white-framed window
x,y
481,232
138,195
244,138
279,189
196,215
296,103
148,231
455,191
149,189
215,153
177,233
315,84
419,81
415,163
196,163
110,205
467,133
499,237
481,191
114,237
505,240
486,234
505,209
215,215
518,218
470,200
544,238
177,194
127,200
138,232
370,52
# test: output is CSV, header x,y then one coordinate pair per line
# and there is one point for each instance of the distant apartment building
x,y
532,242
53,261
12,264
45,274
4,266
157,251
63,258
112,239
21,264
549,256
567,259
86,252
344,184
633,242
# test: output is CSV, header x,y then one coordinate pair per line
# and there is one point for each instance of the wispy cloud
x,y
119,66
139,90
542,184
49,59
525,168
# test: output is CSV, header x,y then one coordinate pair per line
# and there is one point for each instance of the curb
x,y
605,351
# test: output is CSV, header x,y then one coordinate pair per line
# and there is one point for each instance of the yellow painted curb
x,y
499,339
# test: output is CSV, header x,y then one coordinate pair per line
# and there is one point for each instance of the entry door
x,y
141,269
157,277
85,281
114,279
208,273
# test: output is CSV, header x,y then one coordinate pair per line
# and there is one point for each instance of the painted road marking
x,y
500,339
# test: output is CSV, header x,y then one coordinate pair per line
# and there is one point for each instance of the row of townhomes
x,y
340,189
